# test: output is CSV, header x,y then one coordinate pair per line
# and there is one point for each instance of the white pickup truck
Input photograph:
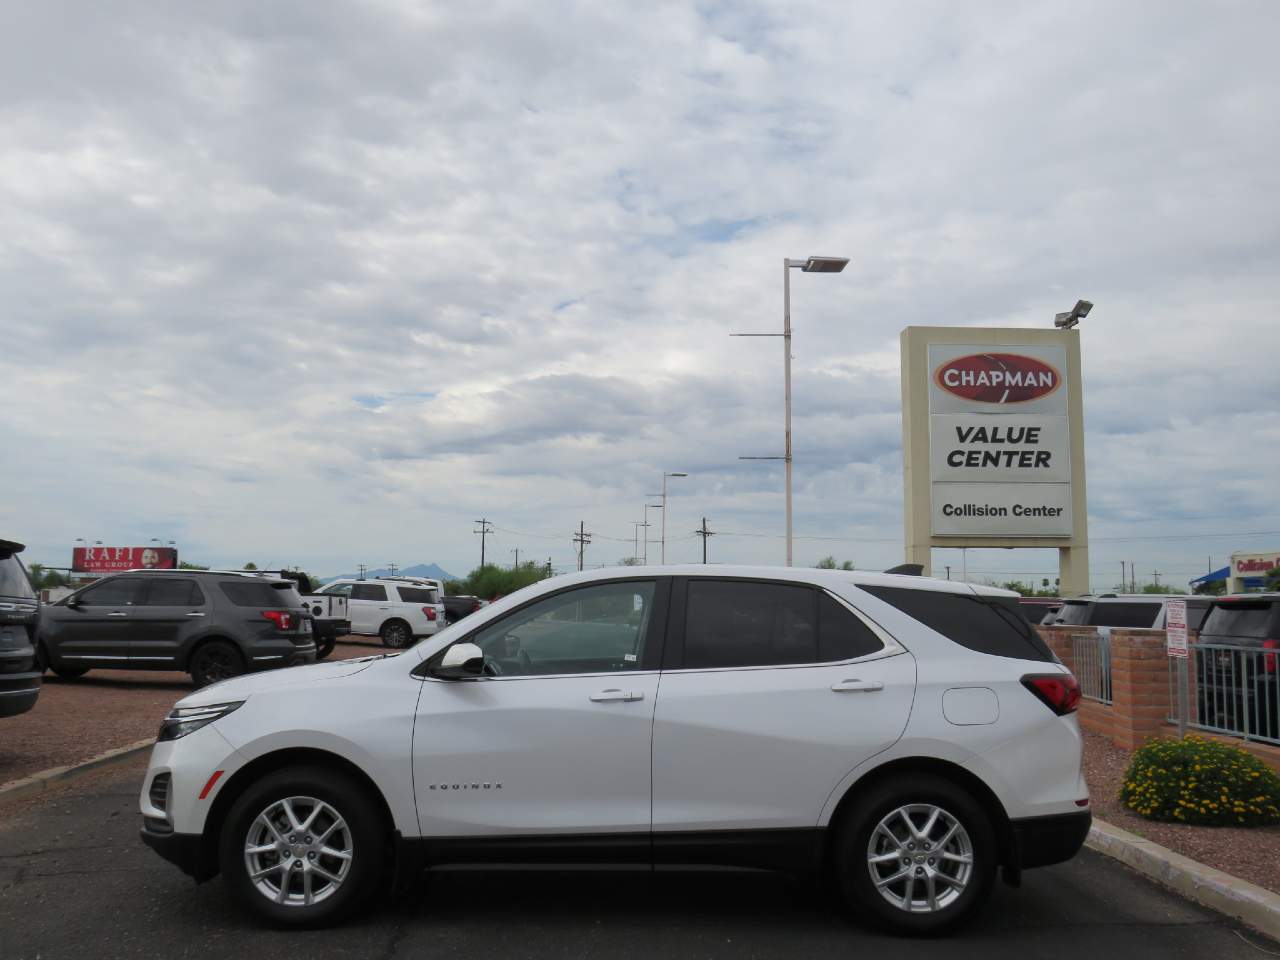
x,y
329,614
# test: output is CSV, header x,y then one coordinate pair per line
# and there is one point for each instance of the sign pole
x,y
1176,647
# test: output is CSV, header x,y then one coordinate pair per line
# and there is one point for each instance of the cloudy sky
x,y
322,284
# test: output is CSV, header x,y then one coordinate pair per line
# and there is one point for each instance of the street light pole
x,y
647,508
808,265
664,511
786,379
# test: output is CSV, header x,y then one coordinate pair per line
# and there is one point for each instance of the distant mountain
x,y
428,570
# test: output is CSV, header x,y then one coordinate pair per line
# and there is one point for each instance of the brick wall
x,y
1140,701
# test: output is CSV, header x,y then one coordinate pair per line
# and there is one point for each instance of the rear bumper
x,y
1041,841
18,693
186,851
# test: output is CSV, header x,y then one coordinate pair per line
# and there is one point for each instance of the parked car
x,y
903,736
212,624
1144,610
1040,609
457,607
329,616
1237,680
19,609
399,610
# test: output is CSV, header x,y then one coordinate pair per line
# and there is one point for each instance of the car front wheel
x,y
917,855
303,847
214,661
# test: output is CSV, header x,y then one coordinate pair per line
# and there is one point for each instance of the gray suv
x,y
19,679
211,624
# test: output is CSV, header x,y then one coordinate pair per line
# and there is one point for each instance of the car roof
x,y
810,575
249,575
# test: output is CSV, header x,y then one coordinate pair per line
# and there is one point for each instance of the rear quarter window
x,y
260,593
991,625
417,595
13,579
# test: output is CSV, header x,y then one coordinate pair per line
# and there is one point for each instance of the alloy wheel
x,y
298,851
920,858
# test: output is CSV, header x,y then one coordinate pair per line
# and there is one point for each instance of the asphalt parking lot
x,y
76,882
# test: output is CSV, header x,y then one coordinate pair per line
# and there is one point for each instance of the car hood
x,y
238,688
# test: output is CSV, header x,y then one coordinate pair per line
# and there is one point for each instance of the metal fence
x,y
1091,659
1231,689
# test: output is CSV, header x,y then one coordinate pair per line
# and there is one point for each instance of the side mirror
x,y
460,661
72,602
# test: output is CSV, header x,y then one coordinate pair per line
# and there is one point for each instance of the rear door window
x,y
166,592
368,591
992,625
749,624
261,593
1074,613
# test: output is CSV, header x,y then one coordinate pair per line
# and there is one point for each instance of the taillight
x,y
1060,692
283,619
1269,661
430,612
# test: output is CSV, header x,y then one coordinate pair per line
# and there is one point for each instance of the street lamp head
x,y
1065,321
677,474
825,264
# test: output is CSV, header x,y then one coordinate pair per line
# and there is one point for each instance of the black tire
x,y
324,647
852,856
366,843
42,659
69,673
396,634
214,661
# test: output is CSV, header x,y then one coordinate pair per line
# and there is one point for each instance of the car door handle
x,y
607,696
858,686
117,614
196,614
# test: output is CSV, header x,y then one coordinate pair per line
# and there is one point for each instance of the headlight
x,y
184,720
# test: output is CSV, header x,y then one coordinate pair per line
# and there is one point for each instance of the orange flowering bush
x,y
1202,782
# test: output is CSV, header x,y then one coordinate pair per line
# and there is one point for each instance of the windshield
x,y
13,579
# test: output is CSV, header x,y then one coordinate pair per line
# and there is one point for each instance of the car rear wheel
x,y
303,847
216,660
69,673
395,634
324,647
917,855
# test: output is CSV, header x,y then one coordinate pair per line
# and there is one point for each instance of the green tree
x,y
829,563
1212,588
42,578
250,566
183,565
492,581
1273,579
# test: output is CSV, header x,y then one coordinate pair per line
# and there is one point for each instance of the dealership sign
x,y
114,559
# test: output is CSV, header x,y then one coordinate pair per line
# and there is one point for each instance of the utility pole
x,y
635,547
392,567
516,551
1133,577
486,528
1155,577
548,566
704,533
1123,578
363,568
582,538
948,571
647,508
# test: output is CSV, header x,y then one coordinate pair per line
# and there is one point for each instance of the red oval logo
x,y
998,378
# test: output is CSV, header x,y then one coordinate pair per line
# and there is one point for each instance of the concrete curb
x,y
1208,887
46,779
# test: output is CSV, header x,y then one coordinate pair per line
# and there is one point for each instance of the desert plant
x,y
1200,781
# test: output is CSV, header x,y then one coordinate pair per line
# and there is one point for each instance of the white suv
x,y
909,736
398,610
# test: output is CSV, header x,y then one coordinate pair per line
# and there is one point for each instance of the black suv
x,y
211,624
1238,665
19,679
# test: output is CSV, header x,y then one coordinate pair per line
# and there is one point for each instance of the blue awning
x,y
1216,575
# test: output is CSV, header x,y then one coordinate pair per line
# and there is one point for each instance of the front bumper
x,y
187,851
1041,841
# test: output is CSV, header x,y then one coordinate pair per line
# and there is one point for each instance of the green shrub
x,y
1201,782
